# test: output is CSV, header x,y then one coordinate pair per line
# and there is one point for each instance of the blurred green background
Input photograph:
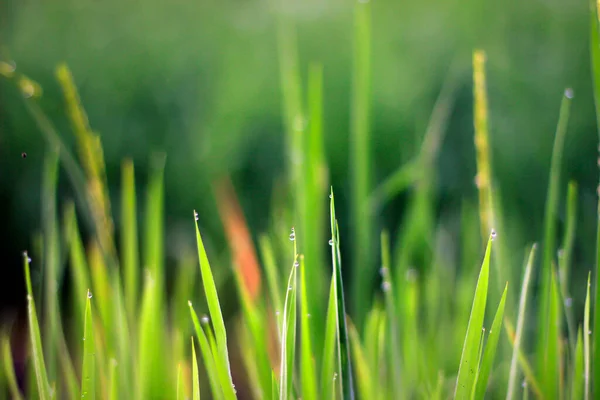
x,y
199,80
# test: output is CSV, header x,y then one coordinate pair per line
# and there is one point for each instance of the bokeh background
x,y
199,80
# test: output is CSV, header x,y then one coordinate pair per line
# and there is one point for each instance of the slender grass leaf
x,y
9,369
490,349
88,374
551,376
468,363
587,349
364,379
271,272
307,361
195,375
37,354
180,384
288,335
129,238
66,365
514,373
329,345
577,376
113,379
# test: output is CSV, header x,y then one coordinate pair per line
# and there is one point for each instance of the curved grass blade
x,y
468,363
513,375
88,374
490,349
39,365
212,299
307,362
343,344
207,355
9,370
288,336
195,375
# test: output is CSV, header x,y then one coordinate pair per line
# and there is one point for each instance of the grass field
x,y
449,318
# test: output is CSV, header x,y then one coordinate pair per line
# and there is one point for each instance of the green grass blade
x,y
88,374
551,377
513,374
129,238
9,369
468,362
344,360
195,375
207,355
66,366
360,156
587,352
266,250
113,379
595,58
329,345
307,362
274,386
212,299
565,259
550,214
577,376
288,337
490,349
39,365
364,379
51,261
180,384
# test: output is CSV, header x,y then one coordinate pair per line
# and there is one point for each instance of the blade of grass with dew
x,y
587,349
129,238
288,336
195,375
43,387
490,349
513,374
9,369
212,299
343,344
361,160
207,355
550,226
88,374
390,308
307,361
564,261
577,376
468,363
329,345
51,260
315,192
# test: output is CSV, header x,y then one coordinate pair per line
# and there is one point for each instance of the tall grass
x,y
433,330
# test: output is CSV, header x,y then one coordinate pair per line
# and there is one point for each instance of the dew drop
x,y
29,260
307,315
568,302
195,215
189,303
569,93
589,332
89,294
383,271
276,312
289,288
296,264
524,384
293,235
331,242
331,196
494,234
386,286
23,155
204,319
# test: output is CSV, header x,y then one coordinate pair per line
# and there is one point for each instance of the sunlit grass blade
x,y
550,216
288,336
587,349
9,370
551,377
207,355
129,238
329,345
360,156
180,384
307,361
212,299
577,375
468,363
37,354
490,349
343,344
88,374
521,316
195,375
364,379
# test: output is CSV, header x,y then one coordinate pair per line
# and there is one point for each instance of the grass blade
x,y
468,362
288,336
39,365
307,362
266,250
212,299
513,375
490,349
550,226
364,380
180,384
195,375
587,352
344,360
88,375
129,237
361,160
551,377
577,376
9,369
329,345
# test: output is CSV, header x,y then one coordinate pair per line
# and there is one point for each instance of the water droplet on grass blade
x,y
569,93
293,235
195,215
386,286
205,319
493,234
331,242
89,294
568,302
296,264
